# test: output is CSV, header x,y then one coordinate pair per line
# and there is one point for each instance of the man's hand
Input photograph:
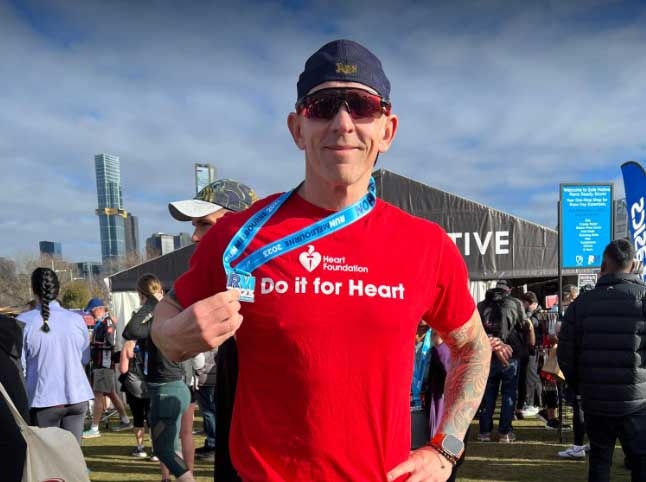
x,y
424,465
199,328
501,350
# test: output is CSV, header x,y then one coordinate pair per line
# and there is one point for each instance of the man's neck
x,y
332,197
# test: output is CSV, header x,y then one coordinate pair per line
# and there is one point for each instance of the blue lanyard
x,y
240,276
418,372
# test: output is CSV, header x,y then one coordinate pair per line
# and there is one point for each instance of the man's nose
x,y
342,121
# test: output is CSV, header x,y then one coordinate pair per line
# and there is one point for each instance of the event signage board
x,y
585,224
587,279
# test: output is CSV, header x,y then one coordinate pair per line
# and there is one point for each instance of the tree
x,y
75,294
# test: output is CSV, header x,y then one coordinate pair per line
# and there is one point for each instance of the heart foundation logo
x,y
310,259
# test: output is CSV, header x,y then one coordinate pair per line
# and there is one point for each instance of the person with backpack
x,y
502,317
104,381
132,366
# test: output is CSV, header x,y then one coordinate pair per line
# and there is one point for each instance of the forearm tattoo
x,y
467,377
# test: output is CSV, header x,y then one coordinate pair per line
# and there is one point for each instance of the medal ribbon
x,y
328,225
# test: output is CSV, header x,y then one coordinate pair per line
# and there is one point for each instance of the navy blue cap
x,y
345,61
93,303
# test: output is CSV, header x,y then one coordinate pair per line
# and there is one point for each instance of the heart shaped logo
x,y
310,259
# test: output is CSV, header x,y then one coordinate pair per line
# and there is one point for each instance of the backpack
x,y
498,315
492,318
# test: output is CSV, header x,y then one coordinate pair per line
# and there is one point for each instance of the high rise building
x,y
112,216
621,219
159,244
89,270
181,240
204,175
51,249
132,235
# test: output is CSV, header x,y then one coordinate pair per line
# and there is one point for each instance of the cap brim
x,y
191,208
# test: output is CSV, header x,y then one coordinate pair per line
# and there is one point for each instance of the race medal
x,y
243,282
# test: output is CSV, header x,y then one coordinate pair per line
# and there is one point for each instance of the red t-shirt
x,y
326,350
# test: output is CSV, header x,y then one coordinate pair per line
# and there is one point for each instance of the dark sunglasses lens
x,y
363,104
325,105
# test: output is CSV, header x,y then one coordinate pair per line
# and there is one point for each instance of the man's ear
x,y
294,124
389,133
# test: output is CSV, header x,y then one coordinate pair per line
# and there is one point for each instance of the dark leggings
x,y
168,401
578,422
68,417
139,408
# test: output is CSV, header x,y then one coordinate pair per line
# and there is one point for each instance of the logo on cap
x,y
346,69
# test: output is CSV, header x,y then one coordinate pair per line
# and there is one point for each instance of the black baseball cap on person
x,y
346,61
503,285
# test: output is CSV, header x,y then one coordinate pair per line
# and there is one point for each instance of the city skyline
x,y
498,102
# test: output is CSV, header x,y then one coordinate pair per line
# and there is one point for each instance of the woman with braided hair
x,y
55,350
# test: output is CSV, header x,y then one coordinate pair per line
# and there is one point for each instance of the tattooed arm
x,y
467,377
465,384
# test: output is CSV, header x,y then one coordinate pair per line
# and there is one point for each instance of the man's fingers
x,y
405,467
232,294
232,326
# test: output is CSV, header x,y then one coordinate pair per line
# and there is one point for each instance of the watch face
x,y
452,445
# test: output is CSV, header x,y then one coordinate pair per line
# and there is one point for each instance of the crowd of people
x,y
290,385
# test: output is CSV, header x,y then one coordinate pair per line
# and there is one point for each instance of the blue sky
x,y
498,101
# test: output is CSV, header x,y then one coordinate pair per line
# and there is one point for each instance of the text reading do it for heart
x,y
302,285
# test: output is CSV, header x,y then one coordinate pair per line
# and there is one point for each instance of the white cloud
x,y
498,103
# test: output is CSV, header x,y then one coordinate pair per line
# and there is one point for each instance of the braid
x,y
44,284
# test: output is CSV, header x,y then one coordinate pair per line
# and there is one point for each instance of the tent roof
x,y
167,268
493,243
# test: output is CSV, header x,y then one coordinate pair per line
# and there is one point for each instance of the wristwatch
x,y
448,445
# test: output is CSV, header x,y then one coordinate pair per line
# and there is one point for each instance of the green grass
x,y
532,458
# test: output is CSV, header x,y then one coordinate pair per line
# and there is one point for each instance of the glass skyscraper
x,y
51,248
112,216
204,175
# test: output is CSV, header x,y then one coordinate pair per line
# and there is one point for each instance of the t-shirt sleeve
x,y
452,303
205,275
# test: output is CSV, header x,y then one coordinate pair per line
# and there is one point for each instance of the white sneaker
x,y
529,411
91,433
139,453
574,452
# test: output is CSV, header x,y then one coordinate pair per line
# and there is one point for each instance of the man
x,y
204,211
211,203
601,352
530,403
309,405
104,384
502,317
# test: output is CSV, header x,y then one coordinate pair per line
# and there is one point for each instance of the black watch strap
x,y
438,448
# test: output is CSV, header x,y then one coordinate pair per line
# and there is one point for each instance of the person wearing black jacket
x,y
12,445
165,380
503,317
602,352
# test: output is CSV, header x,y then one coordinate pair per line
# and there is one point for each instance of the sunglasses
x,y
325,103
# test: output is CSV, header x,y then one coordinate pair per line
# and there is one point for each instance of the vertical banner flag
x,y
635,187
586,224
